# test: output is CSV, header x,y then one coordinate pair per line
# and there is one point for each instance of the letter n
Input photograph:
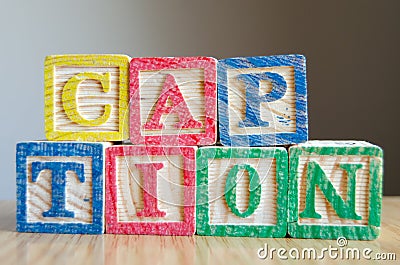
x,y
317,177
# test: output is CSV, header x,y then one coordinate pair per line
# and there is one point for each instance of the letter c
x,y
69,100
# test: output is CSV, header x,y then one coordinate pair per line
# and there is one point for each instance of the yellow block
x,y
86,97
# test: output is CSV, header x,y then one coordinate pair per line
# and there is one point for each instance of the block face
x,y
173,101
60,187
335,189
238,190
86,97
262,101
150,190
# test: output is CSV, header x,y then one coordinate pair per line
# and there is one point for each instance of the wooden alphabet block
x,y
150,190
173,101
242,191
262,101
86,97
335,190
60,187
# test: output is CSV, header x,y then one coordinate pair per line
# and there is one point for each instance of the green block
x,y
242,191
335,190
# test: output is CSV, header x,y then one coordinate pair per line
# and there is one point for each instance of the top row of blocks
x,y
262,101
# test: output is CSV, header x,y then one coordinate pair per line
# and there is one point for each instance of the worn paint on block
x,y
242,191
60,187
173,101
86,97
150,190
335,190
262,101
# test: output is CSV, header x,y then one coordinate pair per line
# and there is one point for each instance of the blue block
x,y
262,101
60,187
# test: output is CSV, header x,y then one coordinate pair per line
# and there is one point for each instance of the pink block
x,y
173,101
150,190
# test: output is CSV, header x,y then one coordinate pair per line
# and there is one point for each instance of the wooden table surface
x,y
27,248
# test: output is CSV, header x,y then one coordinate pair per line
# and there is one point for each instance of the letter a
x,y
171,91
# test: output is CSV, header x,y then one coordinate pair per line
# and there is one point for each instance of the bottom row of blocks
x,y
323,189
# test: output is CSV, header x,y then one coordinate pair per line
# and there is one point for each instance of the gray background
x,y
352,48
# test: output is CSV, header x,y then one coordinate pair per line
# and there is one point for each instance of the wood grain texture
x,y
60,187
48,249
150,190
346,179
86,97
226,179
262,101
173,101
